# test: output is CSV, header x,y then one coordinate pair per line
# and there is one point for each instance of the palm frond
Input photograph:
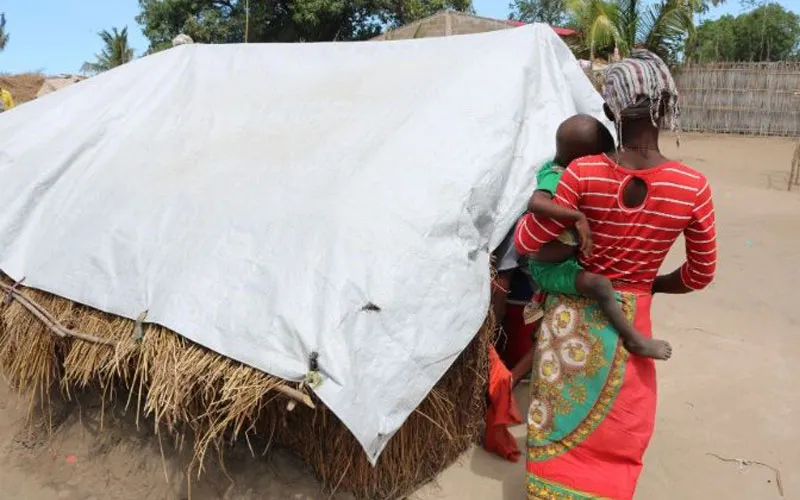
x,y
665,26
662,26
598,23
116,51
3,34
628,20
604,32
93,68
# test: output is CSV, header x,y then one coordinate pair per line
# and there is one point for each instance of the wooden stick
x,y
298,396
45,316
52,324
61,331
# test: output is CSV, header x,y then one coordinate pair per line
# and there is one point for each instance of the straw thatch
x,y
23,87
597,77
184,388
741,98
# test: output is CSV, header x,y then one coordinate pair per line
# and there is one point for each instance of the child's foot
x,y
649,348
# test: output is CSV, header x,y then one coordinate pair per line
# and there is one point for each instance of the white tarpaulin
x,y
255,198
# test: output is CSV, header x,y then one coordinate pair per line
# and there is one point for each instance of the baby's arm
x,y
533,230
542,204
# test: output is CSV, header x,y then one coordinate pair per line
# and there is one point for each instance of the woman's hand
x,y
671,283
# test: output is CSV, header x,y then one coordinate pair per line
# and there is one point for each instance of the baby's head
x,y
579,136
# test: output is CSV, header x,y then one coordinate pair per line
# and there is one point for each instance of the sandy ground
x,y
730,389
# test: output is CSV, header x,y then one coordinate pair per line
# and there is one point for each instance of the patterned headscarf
x,y
637,86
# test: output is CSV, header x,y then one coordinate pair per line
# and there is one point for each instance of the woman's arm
x,y
533,230
701,251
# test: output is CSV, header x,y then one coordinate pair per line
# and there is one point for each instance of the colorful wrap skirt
x,y
593,405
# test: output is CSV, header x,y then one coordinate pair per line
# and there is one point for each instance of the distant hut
x,y
451,22
22,87
57,83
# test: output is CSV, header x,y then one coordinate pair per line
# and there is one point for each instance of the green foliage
x,y
703,6
767,33
203,21
665,27
116,52
398,13
3,33
223,21
599,23
552,12
661,26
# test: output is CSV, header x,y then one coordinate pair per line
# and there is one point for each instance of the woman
x,y
593,405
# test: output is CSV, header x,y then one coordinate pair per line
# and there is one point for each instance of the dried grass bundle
x,y
596,77
185,387
23,87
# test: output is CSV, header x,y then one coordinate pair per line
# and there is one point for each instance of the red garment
x,y
519,339
594,450
631,244
502,411
607,463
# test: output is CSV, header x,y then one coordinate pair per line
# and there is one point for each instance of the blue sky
x,y
57,36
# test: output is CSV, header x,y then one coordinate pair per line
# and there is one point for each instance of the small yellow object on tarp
x,y
7,100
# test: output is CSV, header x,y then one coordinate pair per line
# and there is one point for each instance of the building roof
x,y
559,31
23,87
450,22
58,83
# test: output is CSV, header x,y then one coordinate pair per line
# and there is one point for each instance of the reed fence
x,y
794,173
741,98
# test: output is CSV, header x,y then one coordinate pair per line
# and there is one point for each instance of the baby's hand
x,y
585,235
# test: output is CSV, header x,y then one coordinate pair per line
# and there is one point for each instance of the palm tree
x,y
116,52
3,34
598,23
661,26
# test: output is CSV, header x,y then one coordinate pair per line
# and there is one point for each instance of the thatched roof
x,y
188,390
23,87
58,83
28,86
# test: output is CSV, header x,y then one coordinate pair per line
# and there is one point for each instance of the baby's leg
x,y
600,289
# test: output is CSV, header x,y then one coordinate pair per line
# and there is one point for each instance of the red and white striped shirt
x,y
631,243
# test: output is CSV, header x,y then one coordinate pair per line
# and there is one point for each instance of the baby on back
x,y
556,267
